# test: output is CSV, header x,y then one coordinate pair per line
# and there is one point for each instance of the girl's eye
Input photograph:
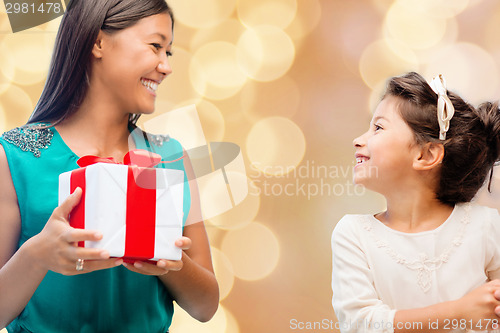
x,y
377,127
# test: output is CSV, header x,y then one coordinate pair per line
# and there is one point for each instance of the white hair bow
x,y
445,109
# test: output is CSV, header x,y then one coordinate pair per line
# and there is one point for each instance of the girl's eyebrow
x,y
379,118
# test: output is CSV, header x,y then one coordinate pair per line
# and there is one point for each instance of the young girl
x,y
109,58
429,262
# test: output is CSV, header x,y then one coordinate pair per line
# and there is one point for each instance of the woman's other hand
x,y
57,244
162,266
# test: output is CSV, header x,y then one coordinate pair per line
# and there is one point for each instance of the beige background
x,y
292,82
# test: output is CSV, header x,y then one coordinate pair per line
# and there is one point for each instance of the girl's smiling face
x,y
131,63
385,153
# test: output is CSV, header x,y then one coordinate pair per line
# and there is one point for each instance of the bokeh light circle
x,y
450,37
3,126
414,28
254,251
211,119
443,9
242,214
228,31
214,71
376,96
265,52
278,13
280,97
383,59
183,322
490,34
7,72
202,13
215,197
177,87
306,20
275,145
26,57
223,271
469,70
17,105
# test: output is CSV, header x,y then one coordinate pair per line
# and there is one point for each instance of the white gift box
x,y
134,225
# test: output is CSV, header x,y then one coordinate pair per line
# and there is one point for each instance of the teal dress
x,y
111,300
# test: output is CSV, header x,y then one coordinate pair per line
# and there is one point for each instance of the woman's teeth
x,y
151,85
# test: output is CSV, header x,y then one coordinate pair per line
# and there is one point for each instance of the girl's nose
x,y
357,142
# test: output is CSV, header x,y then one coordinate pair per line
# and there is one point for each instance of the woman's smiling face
x,y
131,63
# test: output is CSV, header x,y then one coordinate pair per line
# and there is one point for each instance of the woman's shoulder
x,y
168,147
31,138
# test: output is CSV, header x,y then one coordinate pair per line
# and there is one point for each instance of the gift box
x,y
137,208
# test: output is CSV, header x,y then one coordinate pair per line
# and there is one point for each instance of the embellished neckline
x,y
136,133
423,266
420,233
37,137
30,138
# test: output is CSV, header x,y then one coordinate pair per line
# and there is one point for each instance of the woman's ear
x,y
97,50
431,155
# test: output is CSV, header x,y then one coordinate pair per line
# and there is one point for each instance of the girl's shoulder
x,y
351,225
482,215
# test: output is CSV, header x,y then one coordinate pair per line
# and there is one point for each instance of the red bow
x,y
135,157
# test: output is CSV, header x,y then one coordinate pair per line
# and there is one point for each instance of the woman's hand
x,y
162,266
57,244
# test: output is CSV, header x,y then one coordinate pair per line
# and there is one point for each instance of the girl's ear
x,y
97,50
430,156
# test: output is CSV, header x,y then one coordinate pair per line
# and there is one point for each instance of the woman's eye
x,y
156,46
169,53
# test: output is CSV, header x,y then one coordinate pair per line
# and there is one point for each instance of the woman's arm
x,y
19,275
195,287
54,249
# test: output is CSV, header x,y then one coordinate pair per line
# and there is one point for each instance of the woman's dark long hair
x,y
69,72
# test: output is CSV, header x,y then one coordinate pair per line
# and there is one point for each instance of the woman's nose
x,y
164,65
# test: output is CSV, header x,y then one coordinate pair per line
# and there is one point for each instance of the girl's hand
x,y
162,266
56,246
481,305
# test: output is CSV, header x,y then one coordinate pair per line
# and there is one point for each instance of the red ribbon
x,y
137,157
141,200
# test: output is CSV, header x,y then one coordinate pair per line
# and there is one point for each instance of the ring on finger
x,y
79,264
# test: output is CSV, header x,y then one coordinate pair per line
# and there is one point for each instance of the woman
x,y
109,58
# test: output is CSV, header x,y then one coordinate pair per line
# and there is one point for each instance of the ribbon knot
x,y
445,108
135,157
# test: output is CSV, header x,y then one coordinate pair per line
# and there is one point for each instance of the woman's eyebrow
x,y
162,36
